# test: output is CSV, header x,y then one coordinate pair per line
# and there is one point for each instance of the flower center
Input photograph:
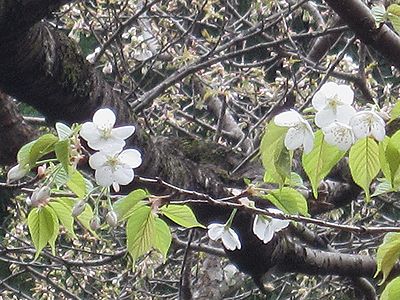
x,y
105,132
113,162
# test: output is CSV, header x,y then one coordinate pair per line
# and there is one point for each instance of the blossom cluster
x,y
341,124
113,165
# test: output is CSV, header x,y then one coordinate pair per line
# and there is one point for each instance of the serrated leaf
x,y
181,215
387,255
392,290
23,154
162,237
41,228
272,145
379,13
56,230
62,153
395,20
288,200
76,183
140,232
319,162
395,113
393,159
382,158
63,131
61,178
295,180
124,206
42,146
383,187
64,214
394,9
364,163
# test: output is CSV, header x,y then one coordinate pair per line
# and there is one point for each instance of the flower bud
x,y
112,218
41,171
16,173
40,197
95,223
78,208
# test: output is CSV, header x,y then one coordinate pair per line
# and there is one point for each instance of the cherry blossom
x,y
40,197
368,123
228,236
299,133
333,104
16,173
115,168
340,135
264,227
100,133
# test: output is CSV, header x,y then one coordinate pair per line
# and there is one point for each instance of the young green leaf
x,y
181,215
64,214
393,159
364,163
379,13
42,146
162,237
288,200
271,148
388,253
140,232
62,153
56,230
392,290
41,227
77,185
383,187
124,206
63,131
320,161
23,154
395,113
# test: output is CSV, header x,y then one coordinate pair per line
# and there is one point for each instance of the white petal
x,y
344,113
277,225
97,160
89,131
308,143
215,231
294,138
104,118
104,176
259,226
321,97
131,157
123,132
288,118
325,117
340,135
110,144
268,235
378,130
122,175
230,239
345,94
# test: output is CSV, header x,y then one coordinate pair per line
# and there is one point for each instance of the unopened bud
x,y
41,171
16,173
40,197
95,223
78,208
112,218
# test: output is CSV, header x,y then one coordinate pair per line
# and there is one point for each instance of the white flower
x,y
264,227
333,104
108,68
229,237
340,135
299,133
16,173
100,133
92,56
112,218
367,123
40,197
115,168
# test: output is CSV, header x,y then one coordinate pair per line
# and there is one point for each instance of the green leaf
x,y
41,227
42,146
382,158
392,290
271,148
77,185
23,154
364,163
56,230
393,159
140,232
320,161
64,214
63,131
393,14
181,215
162,237
295,180
379,13
62,153
61,177
395,113
383,187
288,200
388,253
123,207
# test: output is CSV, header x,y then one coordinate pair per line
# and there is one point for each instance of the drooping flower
x,y
340,135
228,236
299,133
112,218
264,227
39,197
16,173
100,133
92,56
115,168
368,123
333,104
